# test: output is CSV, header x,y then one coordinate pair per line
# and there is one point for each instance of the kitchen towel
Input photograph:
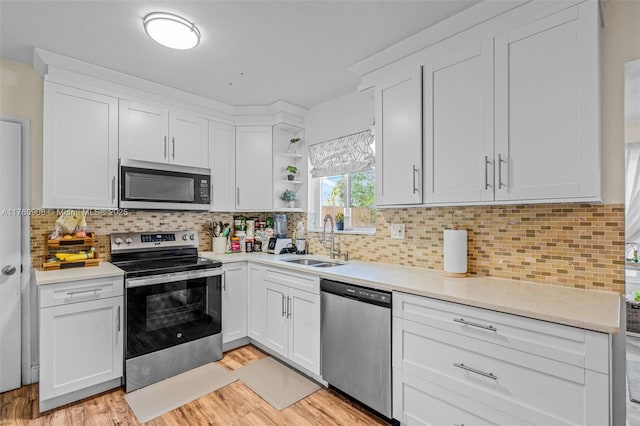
x,y
455,252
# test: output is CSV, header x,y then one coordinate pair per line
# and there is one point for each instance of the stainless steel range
x,y
173,305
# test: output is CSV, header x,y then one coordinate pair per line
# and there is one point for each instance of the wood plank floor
x,y
234,404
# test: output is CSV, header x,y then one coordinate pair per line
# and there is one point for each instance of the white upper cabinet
x,y
547,108
254,168
399,141
458,125
222,154
155,133
80,148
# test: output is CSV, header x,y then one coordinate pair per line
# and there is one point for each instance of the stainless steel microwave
x,y
158,186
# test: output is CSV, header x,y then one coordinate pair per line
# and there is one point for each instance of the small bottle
x,y
300,239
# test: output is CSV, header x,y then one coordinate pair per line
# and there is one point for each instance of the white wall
x,y
351,113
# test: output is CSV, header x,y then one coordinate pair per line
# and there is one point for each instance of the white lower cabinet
x,y
455,364
234,302
287,321
81,339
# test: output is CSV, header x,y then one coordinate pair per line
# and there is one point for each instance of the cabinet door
x,y
234,302
189,140
222,154
458,125
547,108
257,309
80,345
276,317
80,148
304,329
144,132
254,165
399,141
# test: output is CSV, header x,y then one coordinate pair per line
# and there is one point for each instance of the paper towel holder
x,y
455,227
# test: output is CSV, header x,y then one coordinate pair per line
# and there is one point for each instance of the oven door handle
x,y
168,278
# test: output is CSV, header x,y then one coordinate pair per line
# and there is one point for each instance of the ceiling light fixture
x,y
171,30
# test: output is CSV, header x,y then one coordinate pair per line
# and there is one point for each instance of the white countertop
x,y
102,270
588,309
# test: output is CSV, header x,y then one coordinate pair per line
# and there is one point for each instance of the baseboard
x,y
58,401
228,346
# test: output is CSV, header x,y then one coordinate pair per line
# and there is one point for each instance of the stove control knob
x,y
192,237
128,240
118,241
184,237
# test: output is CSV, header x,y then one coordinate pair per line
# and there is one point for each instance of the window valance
x,y
346,154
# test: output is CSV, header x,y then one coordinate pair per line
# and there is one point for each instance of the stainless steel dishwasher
x,y
356,342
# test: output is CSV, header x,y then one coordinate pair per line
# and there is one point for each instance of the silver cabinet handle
x,y
118,318
95,291
237,195
165,146
283,308
288,307
8,270
486,173
476,371
475,324
415,170
113,189
173,141
500,161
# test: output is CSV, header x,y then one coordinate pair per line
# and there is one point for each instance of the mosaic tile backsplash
x,y
575,245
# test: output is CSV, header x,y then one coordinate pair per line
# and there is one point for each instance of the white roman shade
x,y
347,154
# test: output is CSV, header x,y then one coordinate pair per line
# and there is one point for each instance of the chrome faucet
x,y
333,253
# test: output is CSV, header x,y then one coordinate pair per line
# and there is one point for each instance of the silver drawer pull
x,y
475,324
94,291
473,370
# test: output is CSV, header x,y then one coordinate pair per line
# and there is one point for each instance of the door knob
x,y
9,270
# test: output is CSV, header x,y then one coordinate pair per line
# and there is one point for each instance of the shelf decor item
x,y
340,221
292,144
289,196
292,170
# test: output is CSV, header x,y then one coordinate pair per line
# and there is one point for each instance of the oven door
x,y
162,311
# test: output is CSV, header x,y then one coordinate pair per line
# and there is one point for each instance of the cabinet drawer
x,y
80,291
539,389
425,403
304,282
559,342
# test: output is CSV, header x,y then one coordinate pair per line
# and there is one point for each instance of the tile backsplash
x,y
576,245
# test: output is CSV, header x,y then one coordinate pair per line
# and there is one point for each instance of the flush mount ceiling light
x,y
171,30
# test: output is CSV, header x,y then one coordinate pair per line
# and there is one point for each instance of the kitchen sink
x,y
308,262
313,262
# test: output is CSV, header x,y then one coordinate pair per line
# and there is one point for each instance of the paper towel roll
x,y
455,251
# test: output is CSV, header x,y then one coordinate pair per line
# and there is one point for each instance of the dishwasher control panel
x,y
363,294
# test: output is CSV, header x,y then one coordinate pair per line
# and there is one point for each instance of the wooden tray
x,y
51,266
86,241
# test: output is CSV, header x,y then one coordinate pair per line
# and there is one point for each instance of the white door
x,y
304,329
257,314
144,132
458,125
277,313
234,302
399,144
222,154
79,149
10,189
547,108
189,140
254,168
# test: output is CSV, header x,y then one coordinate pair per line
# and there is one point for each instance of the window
x,y
343,182
352,194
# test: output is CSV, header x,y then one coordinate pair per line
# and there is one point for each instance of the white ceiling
x,y
297,51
